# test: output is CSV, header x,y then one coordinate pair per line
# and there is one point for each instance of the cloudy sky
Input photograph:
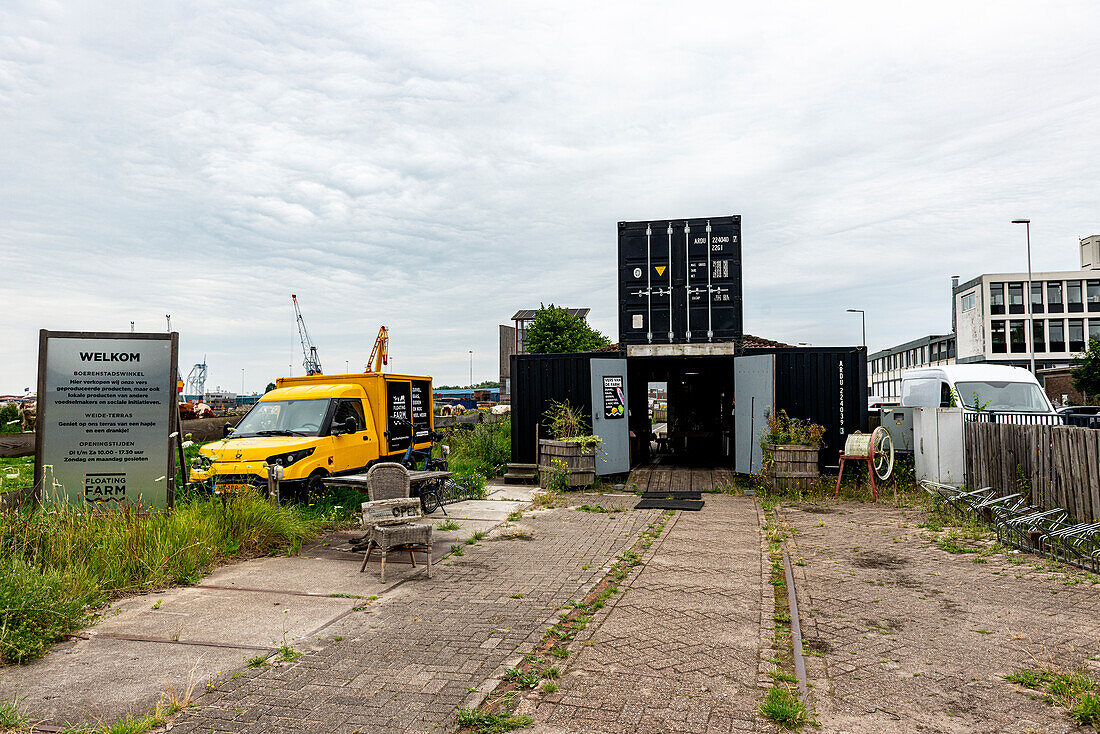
x,y
436,166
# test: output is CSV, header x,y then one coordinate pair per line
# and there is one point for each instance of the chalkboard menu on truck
x,y
421,401
680,281
106,410
399,414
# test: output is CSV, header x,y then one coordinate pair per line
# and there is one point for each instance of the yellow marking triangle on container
x,y
660,269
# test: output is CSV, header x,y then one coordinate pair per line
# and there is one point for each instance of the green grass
x,y
784,708
257,662
16,473
10,718
484,449
1075,691
58,564
593,508
548,687
485,722
448,525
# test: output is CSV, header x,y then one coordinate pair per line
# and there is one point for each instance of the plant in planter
x,y
571,444
791,450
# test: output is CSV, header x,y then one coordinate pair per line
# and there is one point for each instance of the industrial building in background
x,y
513,340
997,318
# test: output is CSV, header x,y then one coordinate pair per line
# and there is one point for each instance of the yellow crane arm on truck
x,y
380,355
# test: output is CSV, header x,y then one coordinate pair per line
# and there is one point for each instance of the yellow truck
x,y
321,425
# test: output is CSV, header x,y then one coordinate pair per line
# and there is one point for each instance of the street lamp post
x,y
863,322
471,369
1030,326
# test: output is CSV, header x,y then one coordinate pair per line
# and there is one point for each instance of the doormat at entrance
x,y
673,494
653,503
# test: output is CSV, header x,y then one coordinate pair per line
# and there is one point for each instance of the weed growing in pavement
x,y
548,687
257,662
487,722
10,718
456,550
593,508
515,516
516,595
520,678
1075,691
784,708
448,525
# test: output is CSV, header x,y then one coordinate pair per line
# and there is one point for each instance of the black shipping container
x,y
827,385
680,281
537,381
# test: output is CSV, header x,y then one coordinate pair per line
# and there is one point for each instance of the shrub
x,y
485,449
10,421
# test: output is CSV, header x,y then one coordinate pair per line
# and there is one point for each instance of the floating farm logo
x,y
100,488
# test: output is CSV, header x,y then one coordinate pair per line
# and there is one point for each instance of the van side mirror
x,y
351,425
227,429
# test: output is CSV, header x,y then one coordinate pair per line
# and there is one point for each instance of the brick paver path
x,y
408,660
917,639
678,650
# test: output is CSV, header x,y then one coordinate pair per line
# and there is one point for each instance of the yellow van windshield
x,y
284,418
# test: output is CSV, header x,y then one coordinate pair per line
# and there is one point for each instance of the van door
x,y
350,451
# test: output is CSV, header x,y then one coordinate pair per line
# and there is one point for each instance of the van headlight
x,y
202,463
290,458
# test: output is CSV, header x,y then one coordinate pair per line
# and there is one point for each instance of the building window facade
x,y
1038,335
1036,297
969,301
1074,299
1093,294
1076,335
1015,297
1054,297
998,340
1017,336
1056,335
996,298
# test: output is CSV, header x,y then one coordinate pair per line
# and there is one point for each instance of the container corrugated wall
x,y
538,380
828,385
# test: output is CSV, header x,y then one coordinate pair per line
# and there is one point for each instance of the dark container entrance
x,y
699,421
693,424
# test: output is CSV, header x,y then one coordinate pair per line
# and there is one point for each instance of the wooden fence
x,y
1055,466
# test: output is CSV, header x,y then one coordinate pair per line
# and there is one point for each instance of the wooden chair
x,y
387,517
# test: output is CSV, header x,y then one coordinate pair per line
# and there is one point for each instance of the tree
x,y
270,387
554,330
1085,370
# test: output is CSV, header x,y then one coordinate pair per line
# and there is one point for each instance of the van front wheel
x,y
314,485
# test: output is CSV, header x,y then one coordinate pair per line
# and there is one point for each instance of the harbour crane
x,y
312,363
380,355
196,379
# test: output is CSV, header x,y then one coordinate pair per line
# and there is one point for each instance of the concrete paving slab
x,y
513,492
103,679
497,510
300,574
200,614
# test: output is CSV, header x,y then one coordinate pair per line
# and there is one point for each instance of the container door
x,y
609,419
754,401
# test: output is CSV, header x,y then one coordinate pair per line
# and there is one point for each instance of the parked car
x,y
1084,416
980,388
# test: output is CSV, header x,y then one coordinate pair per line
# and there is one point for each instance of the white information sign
x,y
106,408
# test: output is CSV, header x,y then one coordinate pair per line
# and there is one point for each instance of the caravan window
x,y
920,392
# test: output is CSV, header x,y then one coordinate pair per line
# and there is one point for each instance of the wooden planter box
x,y
795,467
580,462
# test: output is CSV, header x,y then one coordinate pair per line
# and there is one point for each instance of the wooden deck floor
x,y
669,478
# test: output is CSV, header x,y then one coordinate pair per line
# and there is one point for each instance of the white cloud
x,y
435,166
